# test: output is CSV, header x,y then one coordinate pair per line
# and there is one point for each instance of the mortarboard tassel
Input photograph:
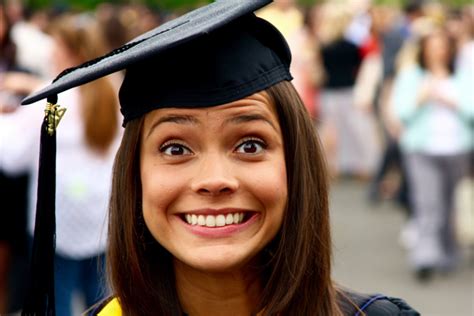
x,y
40,292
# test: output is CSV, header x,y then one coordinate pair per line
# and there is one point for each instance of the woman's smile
x,y
218,223
216,218
214,181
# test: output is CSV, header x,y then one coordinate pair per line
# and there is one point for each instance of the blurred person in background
x,y
435,105
461,26
28,34
347,132
393,29
397,36
86,148
306,67
297,26
13,190
115,32
370,72
120,23
285,15
108,15
358,30
138,19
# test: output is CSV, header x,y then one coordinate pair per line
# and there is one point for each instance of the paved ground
x,y
368,257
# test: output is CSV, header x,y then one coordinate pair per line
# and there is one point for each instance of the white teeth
x,y
220,220
229,219
201,220
212,221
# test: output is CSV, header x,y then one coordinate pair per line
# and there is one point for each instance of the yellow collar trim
x,y
111,309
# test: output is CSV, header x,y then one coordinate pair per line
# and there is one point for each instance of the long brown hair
x,y
296,282
99,104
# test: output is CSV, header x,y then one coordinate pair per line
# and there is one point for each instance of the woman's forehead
x,y
259,104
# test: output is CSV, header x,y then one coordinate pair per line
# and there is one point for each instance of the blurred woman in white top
x,y
435,105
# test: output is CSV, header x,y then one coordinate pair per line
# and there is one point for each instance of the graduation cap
x,y
211,56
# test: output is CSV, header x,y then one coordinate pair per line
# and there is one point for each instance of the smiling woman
x,y
211,163
219,199
226,172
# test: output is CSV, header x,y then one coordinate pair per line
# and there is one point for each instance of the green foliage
x,y
447,3
187,4
398,3
91,4
176,4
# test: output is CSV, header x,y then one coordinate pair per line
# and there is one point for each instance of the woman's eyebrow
x,y
173,118
245,118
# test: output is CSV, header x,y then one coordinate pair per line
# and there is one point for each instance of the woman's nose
x,y
214,177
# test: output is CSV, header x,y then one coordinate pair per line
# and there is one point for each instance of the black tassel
x,y
40,292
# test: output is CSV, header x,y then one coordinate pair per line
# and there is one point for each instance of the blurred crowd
x,y
389,89
35,47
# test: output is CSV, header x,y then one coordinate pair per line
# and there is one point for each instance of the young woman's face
x,y
437,49
214,181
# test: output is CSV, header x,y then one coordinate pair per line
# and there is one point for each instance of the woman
x,y
256,189
219,201
435,106
245,272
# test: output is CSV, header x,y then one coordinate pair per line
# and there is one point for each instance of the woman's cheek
x,y
159,194
270,184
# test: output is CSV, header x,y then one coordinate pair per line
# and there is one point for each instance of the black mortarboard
x,y
213,55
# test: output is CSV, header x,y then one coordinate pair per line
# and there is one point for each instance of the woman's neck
x,y
222,293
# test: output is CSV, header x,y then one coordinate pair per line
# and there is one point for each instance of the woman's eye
x,y
251,146
175,150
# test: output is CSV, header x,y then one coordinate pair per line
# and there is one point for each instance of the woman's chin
x,y
215,262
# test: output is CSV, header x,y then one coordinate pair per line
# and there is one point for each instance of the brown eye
x,y
175,150
252,146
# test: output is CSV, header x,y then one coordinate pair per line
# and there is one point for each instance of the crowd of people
x,y
35,47
389,89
